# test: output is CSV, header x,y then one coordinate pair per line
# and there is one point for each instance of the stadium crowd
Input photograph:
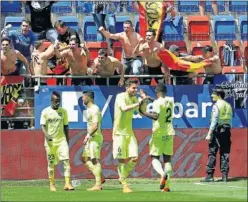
x,y
41,47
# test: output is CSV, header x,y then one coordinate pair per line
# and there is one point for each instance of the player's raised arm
x,y
143,105
123,106
108,34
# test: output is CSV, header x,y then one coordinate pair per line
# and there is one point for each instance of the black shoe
x,y
224,178
208,179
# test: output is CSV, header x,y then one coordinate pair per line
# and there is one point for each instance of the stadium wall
x,y
23,155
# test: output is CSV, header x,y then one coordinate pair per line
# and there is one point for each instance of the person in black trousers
x,y
219,136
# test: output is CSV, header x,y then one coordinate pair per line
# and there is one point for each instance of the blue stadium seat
x,y
221,6
119,22
62,7
70,21
238,6
14,21
224,27
136,23
84,7
172,32
89,29
11,7
188,6
243,24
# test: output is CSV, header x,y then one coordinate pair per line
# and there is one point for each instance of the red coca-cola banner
x,y
23,155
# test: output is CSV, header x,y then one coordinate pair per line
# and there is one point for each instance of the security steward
x,y
219,136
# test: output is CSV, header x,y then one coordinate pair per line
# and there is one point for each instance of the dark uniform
x,y
220,124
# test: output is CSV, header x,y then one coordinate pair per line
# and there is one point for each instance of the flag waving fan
x,y
175,63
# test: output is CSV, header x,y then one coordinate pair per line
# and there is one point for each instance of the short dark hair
x,y
59,23
38,44
207,48
27,21
152,30
89,93
103,52
56,93
220,92
6,39
131,81
74,39
161,88
128,22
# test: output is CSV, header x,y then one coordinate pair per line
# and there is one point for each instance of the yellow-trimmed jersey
x,y
123,121
94,116
165,108
54,121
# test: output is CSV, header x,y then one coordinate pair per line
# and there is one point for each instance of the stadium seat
x,y
181,44
231,70
198,28
62,7
243,24
117,50
14,21
238,6
238,54
172,32
94,47
245,53
119,22
84,7
224,27
70,21
188,6
89,29
11,7
196,46
221,6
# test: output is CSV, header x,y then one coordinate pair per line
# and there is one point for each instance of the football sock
x,y
157,166
168,171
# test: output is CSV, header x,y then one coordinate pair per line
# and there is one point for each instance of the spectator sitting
x,y
23,41
181,77
105,65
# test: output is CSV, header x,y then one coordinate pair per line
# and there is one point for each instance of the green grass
x,y
144,190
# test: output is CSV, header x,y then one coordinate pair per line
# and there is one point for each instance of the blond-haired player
x,y
163,134
93,140
54,124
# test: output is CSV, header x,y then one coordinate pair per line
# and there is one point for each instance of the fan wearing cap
x,y
207,56
152,63
181,77
219,136
161,143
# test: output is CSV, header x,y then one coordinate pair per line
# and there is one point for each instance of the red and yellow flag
x,y
175,63
11,87
151,15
